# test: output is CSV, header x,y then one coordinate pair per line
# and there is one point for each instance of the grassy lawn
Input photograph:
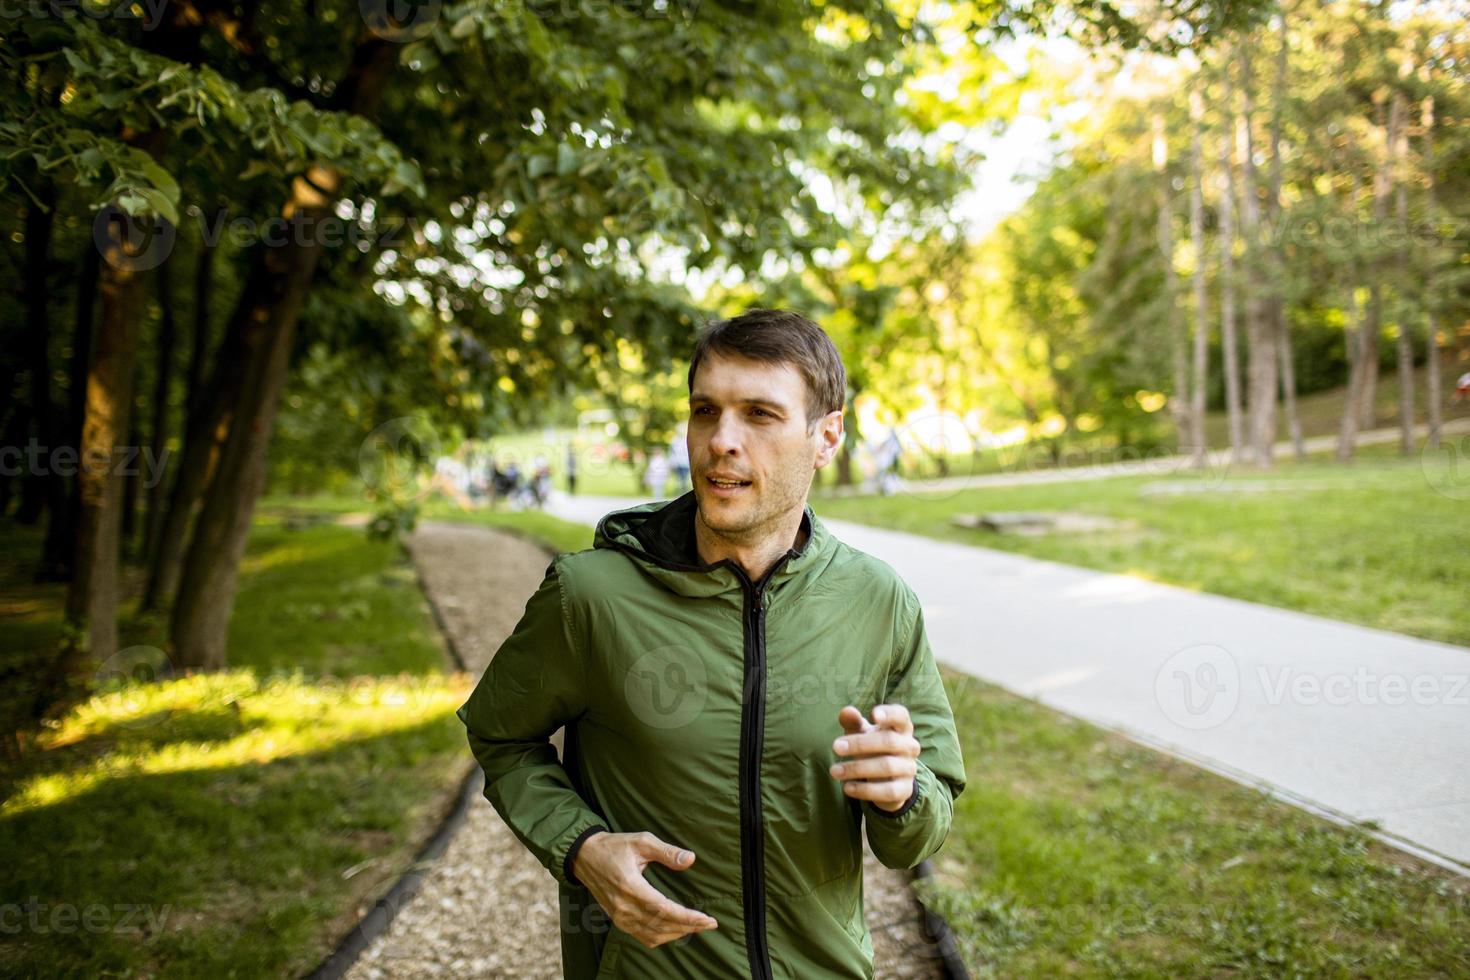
x,y
1372,542
536,525
533,524
1077,853
232,824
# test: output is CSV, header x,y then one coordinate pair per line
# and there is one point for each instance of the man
x,y
712,659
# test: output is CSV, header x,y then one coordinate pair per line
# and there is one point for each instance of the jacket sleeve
x,y
534,685
916,830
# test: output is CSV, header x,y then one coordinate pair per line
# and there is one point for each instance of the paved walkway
x,y
1355,723
1026,470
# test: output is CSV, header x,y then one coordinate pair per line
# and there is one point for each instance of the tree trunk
x,y
203,296
1347,433
50,428
1382,186
1259,330
1368,359
1201,294
60,547
206,432
1179,404
158,429
43,488
1280,323
270,306
130,472
1431,298
90,630
1288,383
1227,281
275,291
1405,341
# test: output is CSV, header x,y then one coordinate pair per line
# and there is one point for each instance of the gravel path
x,y
487,908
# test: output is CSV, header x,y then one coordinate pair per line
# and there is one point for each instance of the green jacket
x,y
702,707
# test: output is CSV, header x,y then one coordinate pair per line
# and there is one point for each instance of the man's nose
x,y
726,437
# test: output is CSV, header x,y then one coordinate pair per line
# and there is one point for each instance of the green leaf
x,y
160,204
159,178
566,159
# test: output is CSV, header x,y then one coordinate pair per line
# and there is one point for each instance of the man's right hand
x,y
611,867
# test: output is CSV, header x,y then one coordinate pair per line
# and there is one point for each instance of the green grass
x,y
1075,852
536,525
232,824
1372,542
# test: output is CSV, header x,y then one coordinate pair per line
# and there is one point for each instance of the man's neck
x,y
755,556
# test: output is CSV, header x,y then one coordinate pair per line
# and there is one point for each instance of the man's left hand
x,y
882,767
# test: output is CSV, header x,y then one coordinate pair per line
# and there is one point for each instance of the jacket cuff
x,y
895,814
576,845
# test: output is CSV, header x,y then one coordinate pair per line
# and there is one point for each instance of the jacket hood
x,y
659,537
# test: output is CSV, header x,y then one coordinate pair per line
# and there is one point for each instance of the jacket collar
x,y
659,537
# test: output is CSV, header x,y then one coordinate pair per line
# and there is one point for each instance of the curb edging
x,y
376,922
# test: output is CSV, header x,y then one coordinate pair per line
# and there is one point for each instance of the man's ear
x,y
829,436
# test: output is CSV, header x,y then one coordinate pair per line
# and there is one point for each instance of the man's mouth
x,y
723,483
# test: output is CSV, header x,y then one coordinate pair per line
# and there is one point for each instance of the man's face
x,y
747,424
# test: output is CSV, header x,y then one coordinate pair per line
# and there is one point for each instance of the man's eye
x,y
762,411
703,410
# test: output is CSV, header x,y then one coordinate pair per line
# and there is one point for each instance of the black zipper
x,y
752,741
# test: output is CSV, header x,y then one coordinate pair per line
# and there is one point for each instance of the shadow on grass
x,y
215,871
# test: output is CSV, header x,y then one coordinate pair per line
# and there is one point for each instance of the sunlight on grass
x,y
285,555
217,721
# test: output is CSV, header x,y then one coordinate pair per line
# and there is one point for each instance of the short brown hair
x,y
780,337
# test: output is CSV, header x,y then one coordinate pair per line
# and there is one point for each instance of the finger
x,y
875,767
893,716
852,720
881,742
657,913
653,849
885,791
